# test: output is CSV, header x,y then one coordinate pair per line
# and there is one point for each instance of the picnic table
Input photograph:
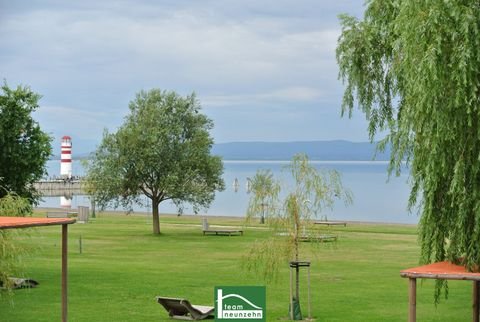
x,y
442,271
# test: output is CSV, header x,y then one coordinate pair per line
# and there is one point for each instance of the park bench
x,y
331,223
207,230
61,214
318,238
228,232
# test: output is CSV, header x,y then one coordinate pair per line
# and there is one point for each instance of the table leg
x,y
64,272
412,299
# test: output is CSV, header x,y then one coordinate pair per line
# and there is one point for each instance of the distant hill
x,y
316,150
337,150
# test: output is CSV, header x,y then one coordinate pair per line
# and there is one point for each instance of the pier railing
x,y
60,187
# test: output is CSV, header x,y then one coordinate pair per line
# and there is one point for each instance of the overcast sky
x,y
263,70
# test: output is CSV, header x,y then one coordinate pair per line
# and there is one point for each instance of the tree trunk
x,y
155,217
296,217
92,199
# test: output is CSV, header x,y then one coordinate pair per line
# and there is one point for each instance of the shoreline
x,y
224,217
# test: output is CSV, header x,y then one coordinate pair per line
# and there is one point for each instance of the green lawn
x,y
123,267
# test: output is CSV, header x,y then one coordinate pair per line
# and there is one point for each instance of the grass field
x,y
123,267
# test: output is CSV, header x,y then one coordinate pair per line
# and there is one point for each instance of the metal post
x,y
412,300
475,305
291,294
308,295
297,283
64,272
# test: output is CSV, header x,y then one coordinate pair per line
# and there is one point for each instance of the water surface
x,y
376,197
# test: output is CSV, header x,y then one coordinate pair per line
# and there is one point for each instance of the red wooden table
x,y
444,271
25,222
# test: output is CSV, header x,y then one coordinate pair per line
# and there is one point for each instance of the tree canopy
x,y
161,151
413,68
24,147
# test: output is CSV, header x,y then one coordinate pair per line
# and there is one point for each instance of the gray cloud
x,y
274,57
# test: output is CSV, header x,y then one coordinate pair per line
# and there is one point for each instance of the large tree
x,y
162,151
24,147
413,67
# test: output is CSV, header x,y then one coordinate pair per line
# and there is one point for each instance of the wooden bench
x,y
61,214
331,223
318,238
228,232
207,230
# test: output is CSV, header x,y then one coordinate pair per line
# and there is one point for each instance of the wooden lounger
x,y
181,309
16,283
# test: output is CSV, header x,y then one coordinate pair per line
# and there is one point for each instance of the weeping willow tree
x,y
289,213
264,189
413,68
11,251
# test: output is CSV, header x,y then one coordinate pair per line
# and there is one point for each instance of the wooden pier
x,y
59,188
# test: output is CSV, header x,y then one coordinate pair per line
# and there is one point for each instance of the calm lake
x,y
376,198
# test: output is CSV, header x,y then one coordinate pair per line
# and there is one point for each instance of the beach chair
x,y
16,283
181,309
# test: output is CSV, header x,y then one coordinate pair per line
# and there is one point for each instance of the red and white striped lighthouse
x,y
66,158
